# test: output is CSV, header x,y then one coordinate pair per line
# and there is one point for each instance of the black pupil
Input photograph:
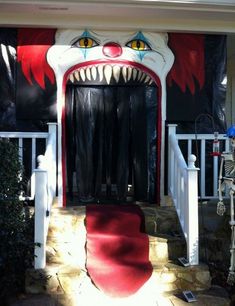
x,y
85,42
138,44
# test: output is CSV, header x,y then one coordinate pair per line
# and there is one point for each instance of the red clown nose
x,y
112,49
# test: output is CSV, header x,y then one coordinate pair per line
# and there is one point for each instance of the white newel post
x,y
192,212
40,214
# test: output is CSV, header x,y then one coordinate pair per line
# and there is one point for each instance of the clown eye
x,y
85,42
138,44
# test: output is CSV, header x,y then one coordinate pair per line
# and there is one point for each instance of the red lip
x,y
122,63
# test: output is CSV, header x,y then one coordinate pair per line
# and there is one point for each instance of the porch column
x,y
171,133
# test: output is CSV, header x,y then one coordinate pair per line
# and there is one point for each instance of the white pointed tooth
x,y
94,73
100,71
150,82
143,77
88,73
116,73
140,74
108,73
129,73
82,74
134,74
147,79
71,77
76,75
124,73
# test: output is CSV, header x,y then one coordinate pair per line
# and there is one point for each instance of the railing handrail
x,y
23,134
183,187
178,154
201,140
193,136
20,137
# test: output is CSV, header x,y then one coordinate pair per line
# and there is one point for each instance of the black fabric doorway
x,y
111,142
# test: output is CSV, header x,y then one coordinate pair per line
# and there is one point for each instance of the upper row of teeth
x,y
100,72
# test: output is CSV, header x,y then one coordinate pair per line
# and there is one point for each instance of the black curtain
x,y
111,140
184,108
8,79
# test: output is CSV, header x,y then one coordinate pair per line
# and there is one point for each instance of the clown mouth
x,y
110,75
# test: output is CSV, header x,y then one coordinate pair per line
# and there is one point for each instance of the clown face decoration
x,y
85,59
111,58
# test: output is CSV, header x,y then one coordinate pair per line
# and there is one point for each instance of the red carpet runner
x,y
117,248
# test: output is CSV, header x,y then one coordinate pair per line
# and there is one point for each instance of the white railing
x,y
45,181
201,145
21,138
42,181
183,188
183,179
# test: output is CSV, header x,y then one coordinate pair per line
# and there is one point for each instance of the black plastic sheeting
x,y
7,84
187,109
111,141
203,112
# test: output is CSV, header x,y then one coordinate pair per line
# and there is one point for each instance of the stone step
x,y
163,220
67,236
61,279
70,248
163,248
173,277
65,220
54,279
67,248
64,282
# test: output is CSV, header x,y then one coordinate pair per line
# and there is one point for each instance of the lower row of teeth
x,y
107,72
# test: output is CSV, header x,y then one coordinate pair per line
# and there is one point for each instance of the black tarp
x,y
7,84
27,107
111,141
204,110
35,107
184,108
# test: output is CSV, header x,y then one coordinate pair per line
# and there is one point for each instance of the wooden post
x,y
40,215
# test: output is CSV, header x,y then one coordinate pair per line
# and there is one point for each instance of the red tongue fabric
x,y
117,249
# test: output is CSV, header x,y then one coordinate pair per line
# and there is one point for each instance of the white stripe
x,y
6,59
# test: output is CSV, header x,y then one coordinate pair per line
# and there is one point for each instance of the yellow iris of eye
x,y
86,42
139,45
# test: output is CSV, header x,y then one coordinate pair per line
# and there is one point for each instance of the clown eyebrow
x,y
87,34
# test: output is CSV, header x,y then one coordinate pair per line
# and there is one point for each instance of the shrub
x,y
16,223
11,170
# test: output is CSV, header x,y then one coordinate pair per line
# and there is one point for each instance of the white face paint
x,y
102,56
